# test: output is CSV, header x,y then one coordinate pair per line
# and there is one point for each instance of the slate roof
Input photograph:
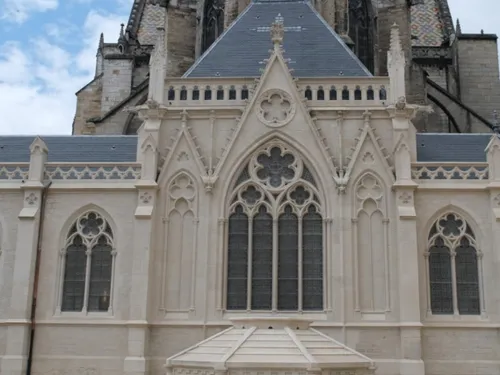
x,y
312,46
443,147
69,149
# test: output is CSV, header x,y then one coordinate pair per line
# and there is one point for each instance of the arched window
x,y
308,93
345,93
453,267
321,93
196,93
213,22
370,95
333,93
357,93
220,93
361,31
232,93
244,92
208,93
382,93
275,235
171,93
184,93
88,263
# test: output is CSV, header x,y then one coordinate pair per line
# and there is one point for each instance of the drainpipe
x,y
37,276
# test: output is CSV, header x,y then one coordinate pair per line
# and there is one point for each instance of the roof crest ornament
x,y
277,32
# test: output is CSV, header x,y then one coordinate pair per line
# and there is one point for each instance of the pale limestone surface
x,y
168,284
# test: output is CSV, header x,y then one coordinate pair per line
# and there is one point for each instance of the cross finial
x,y
277,34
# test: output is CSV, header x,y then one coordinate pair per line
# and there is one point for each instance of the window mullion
x,y
482,302
87,280
62,255
454,283
275,265
249,262
428,282
300,265
112,285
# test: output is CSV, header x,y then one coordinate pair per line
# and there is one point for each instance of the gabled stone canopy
x,y
267,343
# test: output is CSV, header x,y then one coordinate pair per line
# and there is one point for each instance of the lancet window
x,y
87,265
213,22
361,31
454,267
275,235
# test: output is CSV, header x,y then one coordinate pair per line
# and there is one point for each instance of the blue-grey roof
x,y
312,46
68,149
444,147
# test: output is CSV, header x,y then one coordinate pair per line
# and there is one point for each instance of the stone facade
x,y
167,223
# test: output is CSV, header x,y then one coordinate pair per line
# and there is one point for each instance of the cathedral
x,y
262,187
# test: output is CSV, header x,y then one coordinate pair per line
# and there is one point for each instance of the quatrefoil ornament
x,y
275,108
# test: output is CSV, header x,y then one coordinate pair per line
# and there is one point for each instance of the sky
x,y
48,48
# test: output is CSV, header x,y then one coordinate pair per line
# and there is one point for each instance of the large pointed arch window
x,y
361,31
453,268
275,235
213,22
87,265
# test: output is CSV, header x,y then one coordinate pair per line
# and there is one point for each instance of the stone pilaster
x,y
493,158
135,362
19,317
408,257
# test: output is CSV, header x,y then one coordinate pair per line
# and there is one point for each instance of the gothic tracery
x,y
275,235
361,31
213,22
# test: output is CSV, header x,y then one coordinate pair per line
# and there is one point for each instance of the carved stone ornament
x,y
275,108
31,199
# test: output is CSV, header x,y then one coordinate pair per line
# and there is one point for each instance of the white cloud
x,y
19,10
39,77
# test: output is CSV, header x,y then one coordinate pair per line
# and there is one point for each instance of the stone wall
x,y
479,74
181,40
88,104
117,82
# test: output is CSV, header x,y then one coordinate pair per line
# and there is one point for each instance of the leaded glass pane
x,y
467,279
440,278
213,22
74,276
237,267
360,31
262,261
288,275
276,167
307,175
100,276
312,260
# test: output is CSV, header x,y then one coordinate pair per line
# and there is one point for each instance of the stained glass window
x,y
88,264
213,22
275,199
453,267
361,31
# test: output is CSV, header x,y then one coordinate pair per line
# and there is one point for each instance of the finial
x,y
396,48
458,28
101,40
121,30
277,32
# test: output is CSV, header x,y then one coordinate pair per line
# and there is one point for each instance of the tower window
x,y
213,22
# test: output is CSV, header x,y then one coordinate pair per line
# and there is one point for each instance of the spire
x,y
458,28
157,66
101,41
396,50
122,34
396,63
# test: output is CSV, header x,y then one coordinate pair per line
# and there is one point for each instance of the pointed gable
x,y
311,46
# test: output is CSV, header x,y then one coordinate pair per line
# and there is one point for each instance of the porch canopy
x,y
260,344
